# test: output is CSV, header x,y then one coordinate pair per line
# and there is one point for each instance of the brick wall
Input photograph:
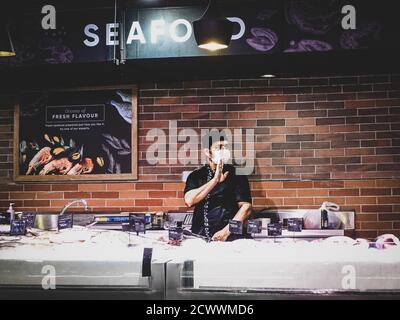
x,y
317,139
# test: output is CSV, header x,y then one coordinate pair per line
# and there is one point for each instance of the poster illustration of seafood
x,y
76,135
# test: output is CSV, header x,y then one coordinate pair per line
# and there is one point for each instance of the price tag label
x,y
254,226
175,233
29,218
146,262
65,221
274,229
295,225
17,228
235,227
4,218
136,223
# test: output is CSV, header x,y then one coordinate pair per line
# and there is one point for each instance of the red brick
x,y
329,153
282,98
281,193
271,122
120,186
313,192
389,200
22,195
267,185
389,217
330,121
312,97
36,203
341,96
105,195
376,225
196,100
133,194
121,203
210,92
49,195
168,100
344,192
149,186
360,104
300,106
76,195
162,194
92,187
301,122
36,187
64,187
376,192
359,183
388,102
229,99
148,202
395,183
252,99
299,201
359,151
286,161
328,184
329,105
367,217
4,195
297,184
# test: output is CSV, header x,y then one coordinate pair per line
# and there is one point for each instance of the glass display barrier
x,y
294,268
83,260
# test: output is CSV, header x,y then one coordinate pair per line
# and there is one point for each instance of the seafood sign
x,y
264,27
84,135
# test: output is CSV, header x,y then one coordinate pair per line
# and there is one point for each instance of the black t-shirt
x,y
224,198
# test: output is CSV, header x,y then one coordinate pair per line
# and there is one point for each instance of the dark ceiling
x,y
32,5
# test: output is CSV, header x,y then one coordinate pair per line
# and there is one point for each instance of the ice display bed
x,y
337,265
83,259
90,263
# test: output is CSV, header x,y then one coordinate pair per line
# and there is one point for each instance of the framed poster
x,y
81,134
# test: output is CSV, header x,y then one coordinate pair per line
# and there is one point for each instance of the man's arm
x,y
244,212
245,209
195,196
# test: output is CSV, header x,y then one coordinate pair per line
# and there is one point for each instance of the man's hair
x,y
214,136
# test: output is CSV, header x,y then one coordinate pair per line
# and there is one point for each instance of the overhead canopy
x,y
291,37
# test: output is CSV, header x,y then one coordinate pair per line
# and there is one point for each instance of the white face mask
x,y
223,154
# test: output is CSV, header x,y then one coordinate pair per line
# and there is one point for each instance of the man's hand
x,y
219,177
222,235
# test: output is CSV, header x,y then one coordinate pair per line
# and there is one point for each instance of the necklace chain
x,y
210,175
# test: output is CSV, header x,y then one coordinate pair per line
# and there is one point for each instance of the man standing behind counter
x,y
217,194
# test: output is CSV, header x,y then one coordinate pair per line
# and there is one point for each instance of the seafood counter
x,y
90,259
270,268
82,258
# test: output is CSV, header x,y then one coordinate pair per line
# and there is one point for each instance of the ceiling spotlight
x,y
6,45
213,31
268,76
